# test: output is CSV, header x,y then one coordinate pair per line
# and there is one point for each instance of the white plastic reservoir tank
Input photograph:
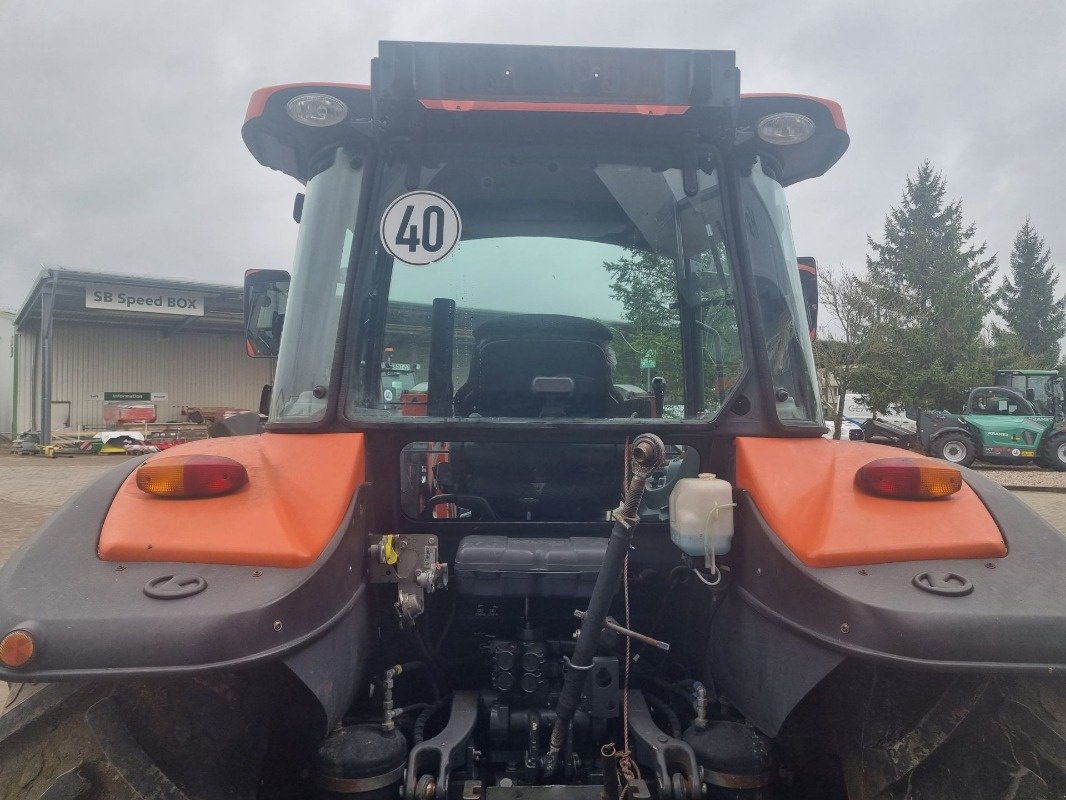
x,y
701,516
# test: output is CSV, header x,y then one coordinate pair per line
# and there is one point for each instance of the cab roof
x,y
677,94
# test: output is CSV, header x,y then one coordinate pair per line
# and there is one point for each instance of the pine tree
x,y
930,286
646,286
1027,300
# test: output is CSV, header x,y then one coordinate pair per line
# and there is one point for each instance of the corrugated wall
x,y
194,369
25,380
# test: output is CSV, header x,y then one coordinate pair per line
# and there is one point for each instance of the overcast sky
x,y
120,146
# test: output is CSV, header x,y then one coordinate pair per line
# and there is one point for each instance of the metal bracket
x,y
409,560
671,757
601,688
443,753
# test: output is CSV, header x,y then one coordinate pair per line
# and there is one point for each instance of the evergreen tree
x,y
646,286
929,284
1027,300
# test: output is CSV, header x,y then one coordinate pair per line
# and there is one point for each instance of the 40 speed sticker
x,y
420,228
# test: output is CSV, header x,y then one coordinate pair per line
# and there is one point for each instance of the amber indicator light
x,y
16,649
191,476
908,479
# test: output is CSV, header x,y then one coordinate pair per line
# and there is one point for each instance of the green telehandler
x,y
1019,420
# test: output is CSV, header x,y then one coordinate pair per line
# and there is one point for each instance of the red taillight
x,y
908,479
191,476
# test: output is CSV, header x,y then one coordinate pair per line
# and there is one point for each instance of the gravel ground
x,y
1024,476
32,488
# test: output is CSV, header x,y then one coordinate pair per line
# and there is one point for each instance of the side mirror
x,y
266,293
808,272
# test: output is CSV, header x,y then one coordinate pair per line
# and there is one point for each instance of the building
x,y
87,344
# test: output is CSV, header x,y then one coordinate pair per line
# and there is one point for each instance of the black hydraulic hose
x,y
648,455
411,666
441,662
443,669
676,577
663,708
674,690
425,716
443,636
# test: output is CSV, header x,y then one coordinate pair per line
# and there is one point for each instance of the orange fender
x,y
299,488
805,489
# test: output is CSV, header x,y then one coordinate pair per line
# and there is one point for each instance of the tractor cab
x,y
998,401
544,239
602,222
1041,387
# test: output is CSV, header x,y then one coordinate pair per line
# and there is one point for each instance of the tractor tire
x,y
170,740
1053,455
955,448
913,736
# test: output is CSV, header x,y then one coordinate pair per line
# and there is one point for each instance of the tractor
x,y
544,577
1017,421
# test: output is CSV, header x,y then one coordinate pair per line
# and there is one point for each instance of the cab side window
x,y
998,403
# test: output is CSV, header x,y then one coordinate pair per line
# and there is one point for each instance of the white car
x,y
857,411
849,430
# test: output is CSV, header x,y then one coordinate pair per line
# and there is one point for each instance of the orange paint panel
x,y
298,491
805,489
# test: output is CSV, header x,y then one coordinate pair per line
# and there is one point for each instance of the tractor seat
x,y
537,365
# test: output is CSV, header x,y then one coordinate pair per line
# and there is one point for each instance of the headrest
x,y
542,326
